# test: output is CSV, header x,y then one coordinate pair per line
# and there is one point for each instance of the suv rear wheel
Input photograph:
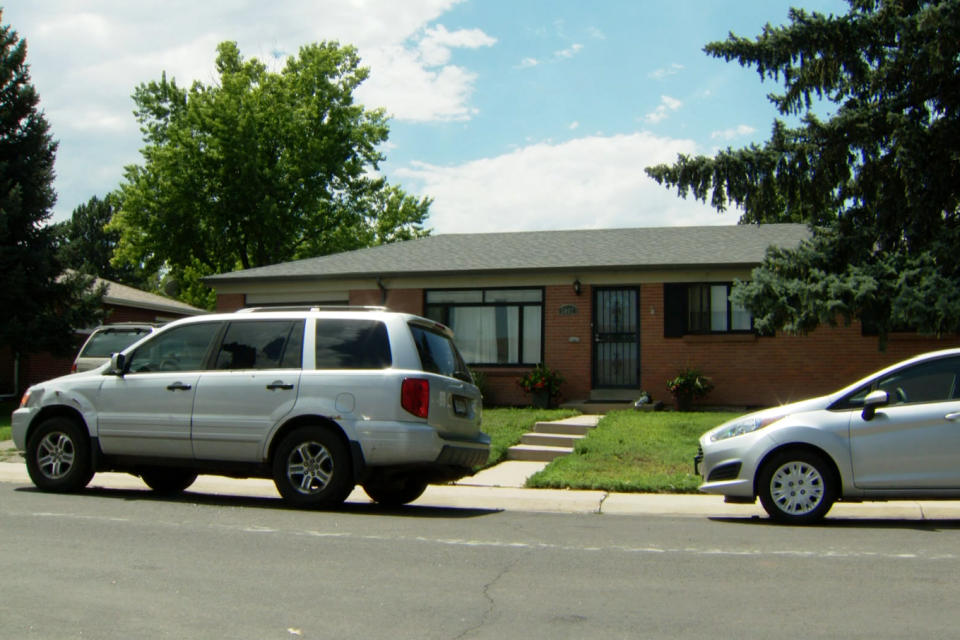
x,y
168,481
312,468
395,493
58,455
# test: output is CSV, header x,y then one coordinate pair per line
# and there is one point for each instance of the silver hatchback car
x,y
318,399
892,435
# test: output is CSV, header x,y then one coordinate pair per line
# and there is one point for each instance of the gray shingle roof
x,y
121,294
583,250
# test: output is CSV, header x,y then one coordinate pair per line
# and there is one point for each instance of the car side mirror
x,y
118,363
872,402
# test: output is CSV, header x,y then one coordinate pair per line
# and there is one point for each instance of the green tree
x,y
42,304
85,244
261,168
878,181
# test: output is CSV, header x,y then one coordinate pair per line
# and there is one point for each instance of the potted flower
x,y
543,384
687,386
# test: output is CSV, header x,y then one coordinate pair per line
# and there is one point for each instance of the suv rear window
x,y
352,344
105,342
438,354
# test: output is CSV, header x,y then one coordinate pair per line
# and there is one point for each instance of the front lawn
x,y
634,451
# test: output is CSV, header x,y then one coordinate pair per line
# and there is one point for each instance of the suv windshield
x,y
438,354
105,342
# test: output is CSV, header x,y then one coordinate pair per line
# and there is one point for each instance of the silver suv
x,y
319,399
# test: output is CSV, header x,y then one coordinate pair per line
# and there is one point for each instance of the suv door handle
x,y
279,385
178,386
952,417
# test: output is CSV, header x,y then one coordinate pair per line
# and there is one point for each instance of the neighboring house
x,y
614,310
123,304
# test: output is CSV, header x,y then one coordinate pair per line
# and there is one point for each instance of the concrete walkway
x,y
498,489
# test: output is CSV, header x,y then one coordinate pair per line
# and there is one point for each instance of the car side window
x,y
352,344
179,349
261,344
934,381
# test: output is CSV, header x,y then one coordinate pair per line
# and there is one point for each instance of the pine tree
x,y
41,304
878,181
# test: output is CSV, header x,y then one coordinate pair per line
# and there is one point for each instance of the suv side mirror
x,y
117,364
874,400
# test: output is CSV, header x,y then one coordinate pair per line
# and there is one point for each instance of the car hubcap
x,y
55,455
309,468
797,488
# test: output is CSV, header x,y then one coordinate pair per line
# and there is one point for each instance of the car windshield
x,y
438,354
106,342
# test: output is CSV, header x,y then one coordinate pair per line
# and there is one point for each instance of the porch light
x,y
576,286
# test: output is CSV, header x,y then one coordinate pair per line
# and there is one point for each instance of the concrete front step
x,y
569,428
535,453
551,439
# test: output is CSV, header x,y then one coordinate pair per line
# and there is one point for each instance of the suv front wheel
x,y
58,455
312,468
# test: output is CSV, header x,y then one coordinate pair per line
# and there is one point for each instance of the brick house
x,y
122,303
614,311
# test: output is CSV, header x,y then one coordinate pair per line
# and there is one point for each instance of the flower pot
x,y
541,398
683,401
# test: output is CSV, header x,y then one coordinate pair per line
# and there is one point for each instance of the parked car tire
x,y
58,455
797,487
312,468
168,481
393,494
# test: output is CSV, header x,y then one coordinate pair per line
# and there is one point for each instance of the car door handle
x,y
279,385
953,417
178,386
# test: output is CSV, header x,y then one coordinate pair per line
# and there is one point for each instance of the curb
x,y
501,498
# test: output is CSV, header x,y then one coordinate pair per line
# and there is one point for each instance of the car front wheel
x,y
58,456
797,487
312,468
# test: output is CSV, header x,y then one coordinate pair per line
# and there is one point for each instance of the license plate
x,y
460,405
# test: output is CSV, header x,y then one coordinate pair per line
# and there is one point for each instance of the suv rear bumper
x,y
403,443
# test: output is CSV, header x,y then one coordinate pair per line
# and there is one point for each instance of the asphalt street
x,y
121,563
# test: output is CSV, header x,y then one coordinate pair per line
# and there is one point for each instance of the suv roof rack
x,y
312,307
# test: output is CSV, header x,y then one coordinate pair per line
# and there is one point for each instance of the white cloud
x,y
667,104
665,72
573,125
526,63
569,52
735,132
437,42
591,182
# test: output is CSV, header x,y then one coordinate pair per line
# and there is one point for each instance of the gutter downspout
x,y
383,291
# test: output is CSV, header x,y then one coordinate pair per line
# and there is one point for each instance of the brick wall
x,y
227,302
749,370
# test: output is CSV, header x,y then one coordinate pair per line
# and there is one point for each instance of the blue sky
x,y
512,114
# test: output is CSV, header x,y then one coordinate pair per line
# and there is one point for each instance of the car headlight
x,y
742,427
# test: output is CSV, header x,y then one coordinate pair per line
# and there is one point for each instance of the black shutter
x,y
674,310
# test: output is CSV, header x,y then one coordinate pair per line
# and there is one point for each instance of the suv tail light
x,y
415,396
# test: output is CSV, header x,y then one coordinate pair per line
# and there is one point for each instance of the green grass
x,y
505,426
630,451
6,408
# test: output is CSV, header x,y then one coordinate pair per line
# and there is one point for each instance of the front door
x,y
616,339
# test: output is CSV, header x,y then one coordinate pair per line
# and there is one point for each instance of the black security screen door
x,y
616,339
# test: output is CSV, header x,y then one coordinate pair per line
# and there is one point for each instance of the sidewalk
x,y
500,489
